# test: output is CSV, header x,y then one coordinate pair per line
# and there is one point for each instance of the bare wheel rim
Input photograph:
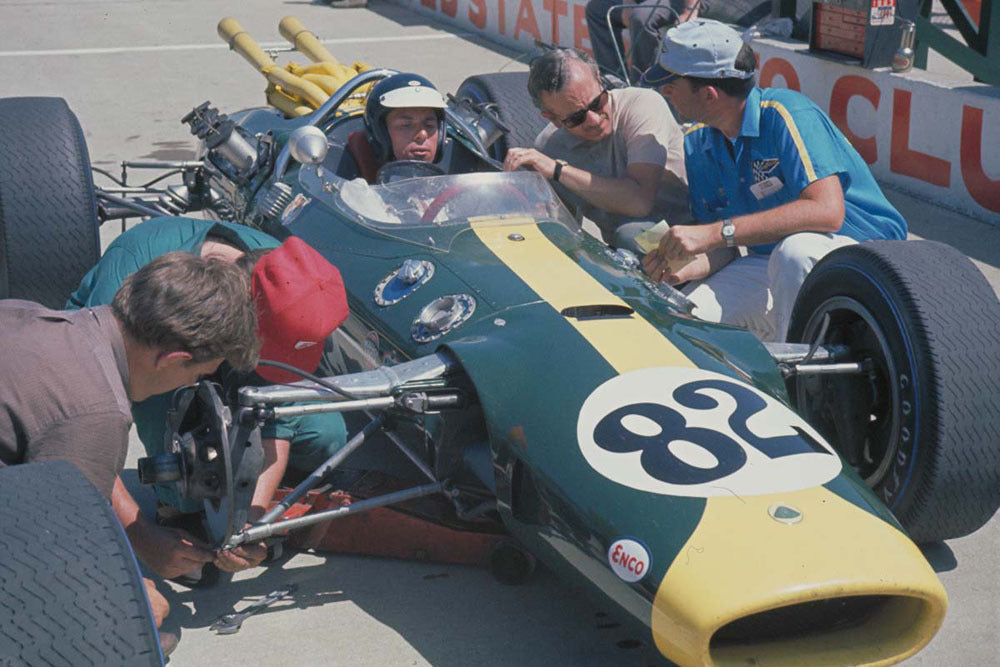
x,y
851,323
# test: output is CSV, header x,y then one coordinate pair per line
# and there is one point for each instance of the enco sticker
x,y
628,559
690,432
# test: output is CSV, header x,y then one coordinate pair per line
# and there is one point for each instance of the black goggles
x,y
577,117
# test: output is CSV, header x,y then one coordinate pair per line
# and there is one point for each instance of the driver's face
x,y
413,132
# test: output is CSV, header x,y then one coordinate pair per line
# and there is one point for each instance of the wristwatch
x,y
729,232
558,170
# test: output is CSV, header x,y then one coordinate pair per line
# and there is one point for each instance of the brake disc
x,y
216,460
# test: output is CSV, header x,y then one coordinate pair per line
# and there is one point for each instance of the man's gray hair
x,y
550,72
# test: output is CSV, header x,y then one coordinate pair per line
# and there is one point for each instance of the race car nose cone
x,y
813,575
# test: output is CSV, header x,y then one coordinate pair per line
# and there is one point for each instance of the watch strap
x,y
557,172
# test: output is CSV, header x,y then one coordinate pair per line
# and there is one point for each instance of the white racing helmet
x,y
398,91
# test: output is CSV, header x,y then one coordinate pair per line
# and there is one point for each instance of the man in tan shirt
x,y
616,156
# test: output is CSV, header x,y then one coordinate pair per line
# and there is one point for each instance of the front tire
x,y
49,233
72,592
922,424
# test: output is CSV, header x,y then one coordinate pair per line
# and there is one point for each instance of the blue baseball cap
x,y
701,48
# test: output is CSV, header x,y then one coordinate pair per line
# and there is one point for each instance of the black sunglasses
x,y
578,117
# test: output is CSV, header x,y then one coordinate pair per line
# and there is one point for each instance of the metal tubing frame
x,y
338,406
259,532
850,368
330,464
382,386
129,204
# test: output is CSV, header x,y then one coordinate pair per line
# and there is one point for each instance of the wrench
x,y
228,624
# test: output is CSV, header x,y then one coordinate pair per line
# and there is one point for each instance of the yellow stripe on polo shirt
x,y
793,130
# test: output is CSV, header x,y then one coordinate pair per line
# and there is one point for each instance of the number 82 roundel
x,y
690,432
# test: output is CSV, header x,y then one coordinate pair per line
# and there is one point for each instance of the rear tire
x,y
72,592
923,427
49,236
508,91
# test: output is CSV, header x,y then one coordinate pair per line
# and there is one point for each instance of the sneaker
x,y
347,4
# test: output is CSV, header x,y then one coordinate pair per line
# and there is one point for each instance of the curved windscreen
x,y
430,210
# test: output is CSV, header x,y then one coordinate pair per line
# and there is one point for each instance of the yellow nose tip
x,y
795,578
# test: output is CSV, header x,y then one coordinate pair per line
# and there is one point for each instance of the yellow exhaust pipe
x,y
294,87
304,41
240,41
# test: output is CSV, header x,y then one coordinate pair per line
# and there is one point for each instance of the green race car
x,y
740,502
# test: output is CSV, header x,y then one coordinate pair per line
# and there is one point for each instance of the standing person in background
x,y
645,19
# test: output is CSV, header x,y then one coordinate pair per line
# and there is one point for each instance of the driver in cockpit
x,y
404,120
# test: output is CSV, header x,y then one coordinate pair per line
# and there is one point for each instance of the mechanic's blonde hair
x,y
182,302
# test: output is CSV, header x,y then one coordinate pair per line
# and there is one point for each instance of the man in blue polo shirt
x,y
768,170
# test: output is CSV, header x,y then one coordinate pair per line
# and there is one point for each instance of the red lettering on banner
x,y
902,159
985,190
844,89
449,8
580,31
429,4
779,67
477,17
526,20
556,8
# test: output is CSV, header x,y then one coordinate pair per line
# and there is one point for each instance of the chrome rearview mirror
x,y
307,145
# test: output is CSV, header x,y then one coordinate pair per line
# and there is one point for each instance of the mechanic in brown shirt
x,y
67,378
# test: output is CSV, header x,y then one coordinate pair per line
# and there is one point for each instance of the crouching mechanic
x,y
770,171
67,377
296,292
614,155
404,120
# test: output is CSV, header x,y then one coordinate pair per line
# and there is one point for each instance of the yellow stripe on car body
x,y
738,561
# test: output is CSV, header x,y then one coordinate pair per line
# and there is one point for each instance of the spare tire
x,y
49,236
72,592
922,424
508,93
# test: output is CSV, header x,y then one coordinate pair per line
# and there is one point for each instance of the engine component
x,y
210,456
273,201
222,139
482,119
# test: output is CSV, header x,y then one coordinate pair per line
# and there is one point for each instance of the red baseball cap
x,y
300,300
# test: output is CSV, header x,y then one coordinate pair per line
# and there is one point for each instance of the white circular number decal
x,y
690,432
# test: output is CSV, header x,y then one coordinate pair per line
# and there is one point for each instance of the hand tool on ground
x,y
228,624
